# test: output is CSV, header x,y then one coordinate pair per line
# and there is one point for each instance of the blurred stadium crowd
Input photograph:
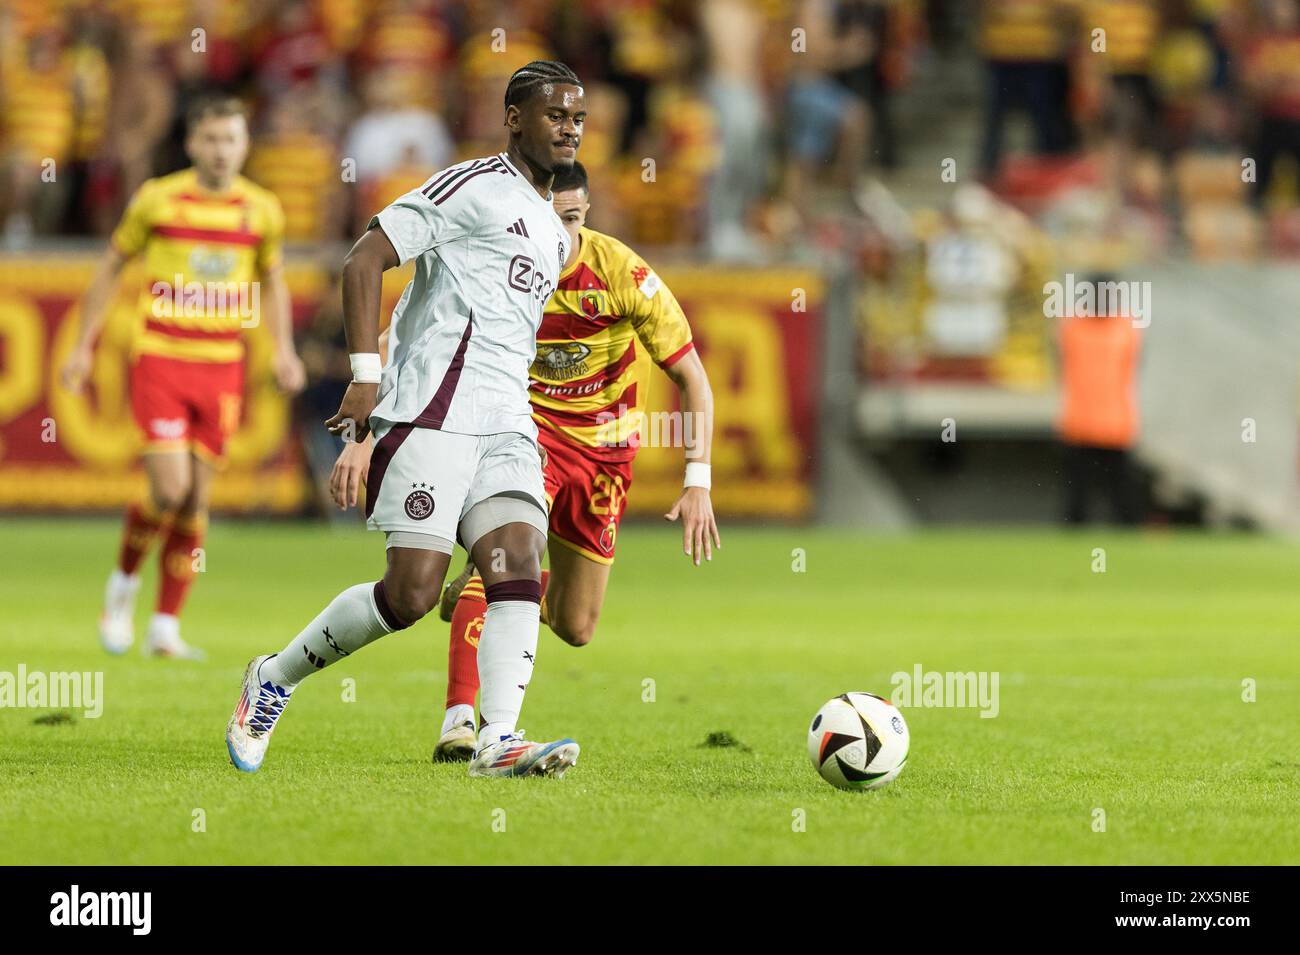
x,y
397,87
1163,107
1189,109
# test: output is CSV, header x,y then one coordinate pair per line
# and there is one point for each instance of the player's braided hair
x,y
531,77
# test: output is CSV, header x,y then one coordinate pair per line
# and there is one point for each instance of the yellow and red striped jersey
x,y
161,21
202,253
1132,31
300,171
39,119
1023,30
609,317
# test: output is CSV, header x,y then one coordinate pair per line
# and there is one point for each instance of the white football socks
x,y
349,623
456,715
119,594
164,628
505,664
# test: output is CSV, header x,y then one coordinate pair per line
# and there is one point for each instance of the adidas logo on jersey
x,y
519,229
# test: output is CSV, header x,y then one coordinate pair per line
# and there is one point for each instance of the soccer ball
x,y
858,741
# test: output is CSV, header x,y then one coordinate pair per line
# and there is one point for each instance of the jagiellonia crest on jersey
x,y
592,303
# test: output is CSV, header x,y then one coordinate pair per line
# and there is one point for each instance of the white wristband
x,y
697,475
366,367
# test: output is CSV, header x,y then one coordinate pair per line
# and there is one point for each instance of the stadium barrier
x,y
759,334
1218,390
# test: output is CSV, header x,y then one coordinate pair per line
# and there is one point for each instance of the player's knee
x,y
575,629
574,636
195,504
526,563
169,496
512,557
411,599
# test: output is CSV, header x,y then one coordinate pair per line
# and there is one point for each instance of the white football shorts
x,y
422,483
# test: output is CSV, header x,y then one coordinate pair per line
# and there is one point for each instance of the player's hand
x,y
353,419
699,529
76,370
290,376
541,453
349,474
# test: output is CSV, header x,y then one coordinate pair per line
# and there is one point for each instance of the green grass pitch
x,y
1120,691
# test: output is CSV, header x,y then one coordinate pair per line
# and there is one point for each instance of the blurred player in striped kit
x,y
211,243
608,320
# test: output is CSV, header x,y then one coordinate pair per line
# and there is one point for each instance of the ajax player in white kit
x,y
456,454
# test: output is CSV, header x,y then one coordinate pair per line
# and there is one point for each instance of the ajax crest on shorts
x,y
419,503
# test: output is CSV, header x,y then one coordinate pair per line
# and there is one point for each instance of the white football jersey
x,y
488,251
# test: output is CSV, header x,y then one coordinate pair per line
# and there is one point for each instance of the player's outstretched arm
x,y
94,312
695,507
353,463
363,279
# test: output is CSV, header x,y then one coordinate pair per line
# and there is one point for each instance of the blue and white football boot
x,y
249,731
515,756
